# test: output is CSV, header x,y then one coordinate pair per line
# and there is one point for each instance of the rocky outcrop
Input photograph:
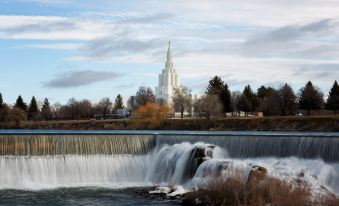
x,y
256,175
198,155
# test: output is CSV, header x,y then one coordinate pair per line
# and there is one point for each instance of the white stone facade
x,y
168,80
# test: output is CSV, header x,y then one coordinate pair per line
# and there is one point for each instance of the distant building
x,y
168,80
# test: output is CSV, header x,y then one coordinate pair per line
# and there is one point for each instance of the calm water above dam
x,y
93,167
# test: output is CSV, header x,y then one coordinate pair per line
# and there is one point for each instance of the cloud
x,y
59,46
42,27
51,28
46,1
253,41
324,71
80,78
316,39
130,17
126,86
120,45
152,18
293,32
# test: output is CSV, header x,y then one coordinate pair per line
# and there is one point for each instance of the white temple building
x,y
168,80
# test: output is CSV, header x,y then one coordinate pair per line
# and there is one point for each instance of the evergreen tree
x,y
33,109
310,98
118,104
287,100
4,110
225,98
264,92
1,101
333,98
252,98
217,87
46,110
20,104
244,104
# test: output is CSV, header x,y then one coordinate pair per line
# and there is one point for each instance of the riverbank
x,y
291,123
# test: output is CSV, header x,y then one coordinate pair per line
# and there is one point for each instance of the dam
x,y
238,144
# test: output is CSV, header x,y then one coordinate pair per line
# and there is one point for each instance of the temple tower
x,y
168,79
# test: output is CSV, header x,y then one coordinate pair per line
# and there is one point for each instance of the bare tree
x,y
144,95
85,108
208,106
16,116
105,106
270,104
132,103
182,100
55,108
235,99
198,107
73,108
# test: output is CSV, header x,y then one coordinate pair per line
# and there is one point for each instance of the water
x,y
61,144
78,196
46,172
309,146
96,167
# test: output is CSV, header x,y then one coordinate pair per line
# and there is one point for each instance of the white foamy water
x,y
40,172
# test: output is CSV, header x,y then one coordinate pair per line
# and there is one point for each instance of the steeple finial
x,y
169,63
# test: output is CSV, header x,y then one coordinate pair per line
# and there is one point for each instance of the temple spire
x,y
169,62
168,80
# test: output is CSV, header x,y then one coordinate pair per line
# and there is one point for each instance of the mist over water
x,y
49,162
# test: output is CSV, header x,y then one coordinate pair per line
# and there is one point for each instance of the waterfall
x,y
38,161
40,172
266,145
177,163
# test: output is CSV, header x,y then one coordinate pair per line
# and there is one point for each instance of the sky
x,y
92,49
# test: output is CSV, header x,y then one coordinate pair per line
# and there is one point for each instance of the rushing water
x,y
65,167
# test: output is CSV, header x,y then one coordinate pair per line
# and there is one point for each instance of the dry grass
x,y
269,191
330,202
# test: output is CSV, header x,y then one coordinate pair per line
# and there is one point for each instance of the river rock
x,y
172,192
161,190
198,155
214,168
177,190
256,175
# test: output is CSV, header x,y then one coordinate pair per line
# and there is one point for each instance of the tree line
x,y
216,101
72,110
282,101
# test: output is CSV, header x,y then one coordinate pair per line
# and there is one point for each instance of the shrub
x,y
150,115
